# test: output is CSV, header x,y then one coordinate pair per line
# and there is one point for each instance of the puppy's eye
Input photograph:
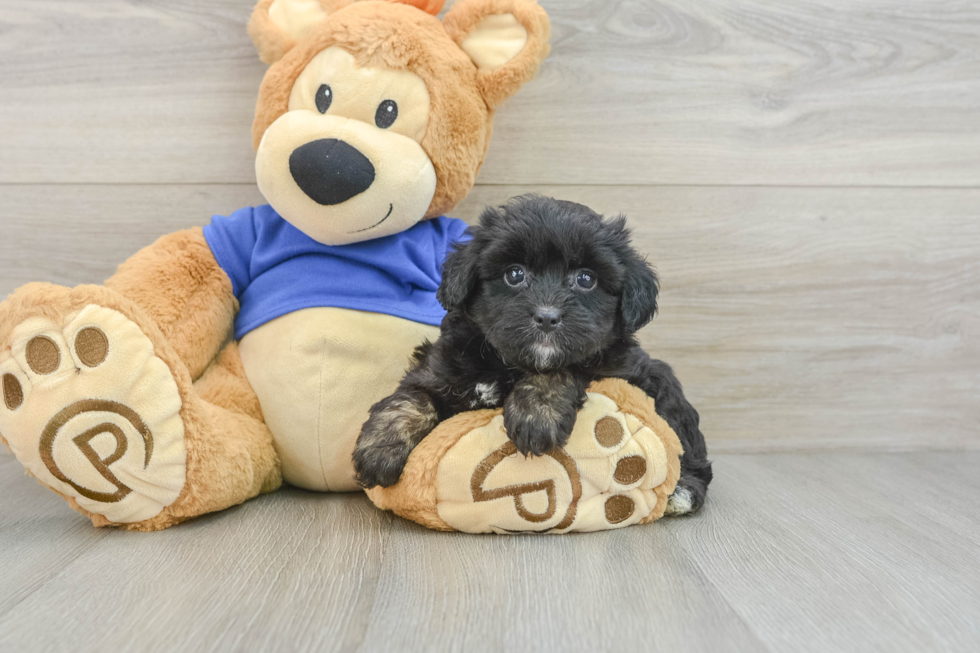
x,y
323,98
585,280
514,276
387,114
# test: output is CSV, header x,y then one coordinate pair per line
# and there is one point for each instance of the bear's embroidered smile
x,y
387,215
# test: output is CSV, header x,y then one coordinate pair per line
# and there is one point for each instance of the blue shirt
x,y
276,269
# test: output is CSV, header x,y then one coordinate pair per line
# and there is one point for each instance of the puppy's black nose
x,y
547,318
330,171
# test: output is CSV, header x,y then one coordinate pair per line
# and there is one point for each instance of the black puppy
x,y
543,300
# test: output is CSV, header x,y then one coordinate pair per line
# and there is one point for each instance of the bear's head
x,y
375,114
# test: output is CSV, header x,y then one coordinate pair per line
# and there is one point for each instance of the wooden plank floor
x,y
804,174
794,552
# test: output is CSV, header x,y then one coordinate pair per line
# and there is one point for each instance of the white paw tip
x,y
680,502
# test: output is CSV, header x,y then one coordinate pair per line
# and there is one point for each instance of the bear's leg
x,y
98,405
231,456
182,289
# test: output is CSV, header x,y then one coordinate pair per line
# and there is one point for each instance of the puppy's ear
x,y
459,276
506,39
638,302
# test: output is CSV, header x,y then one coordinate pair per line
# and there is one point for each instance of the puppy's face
x,y
549,283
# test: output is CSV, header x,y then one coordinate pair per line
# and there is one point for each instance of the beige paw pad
x,y
37,347
618,468
92,412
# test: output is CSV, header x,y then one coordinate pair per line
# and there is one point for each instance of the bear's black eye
x,y
387,114
585,280
324,98
514,276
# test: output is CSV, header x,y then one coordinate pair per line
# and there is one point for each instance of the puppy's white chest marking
x,y
487,395
544,355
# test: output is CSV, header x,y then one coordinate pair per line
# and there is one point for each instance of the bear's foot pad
x,y
618,468
93,413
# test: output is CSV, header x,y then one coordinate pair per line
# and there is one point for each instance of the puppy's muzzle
x,y
330,171
547,318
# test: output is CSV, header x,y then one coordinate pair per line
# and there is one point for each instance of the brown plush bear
x,y
372,121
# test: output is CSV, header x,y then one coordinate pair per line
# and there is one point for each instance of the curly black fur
x,y
534,346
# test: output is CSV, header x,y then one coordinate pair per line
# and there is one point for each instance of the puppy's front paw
x,y
536,428
380,463
395,426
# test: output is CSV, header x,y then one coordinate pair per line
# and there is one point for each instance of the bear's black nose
x,y
330,171
547,318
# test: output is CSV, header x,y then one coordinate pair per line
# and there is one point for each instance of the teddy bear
x,y
218,363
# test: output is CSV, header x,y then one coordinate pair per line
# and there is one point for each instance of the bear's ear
x,y
506,39
276,25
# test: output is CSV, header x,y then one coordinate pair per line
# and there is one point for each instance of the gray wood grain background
x,y
804,174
